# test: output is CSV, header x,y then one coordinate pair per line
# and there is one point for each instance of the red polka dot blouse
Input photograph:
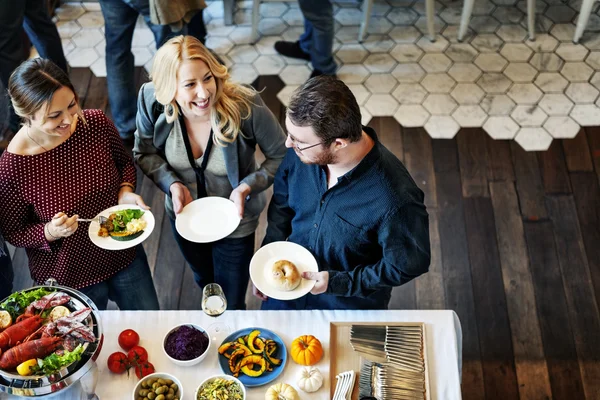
x,y
80,176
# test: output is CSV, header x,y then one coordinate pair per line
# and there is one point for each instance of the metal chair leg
x,y
465,18
584,16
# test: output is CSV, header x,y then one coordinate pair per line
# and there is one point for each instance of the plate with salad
x,y
126,226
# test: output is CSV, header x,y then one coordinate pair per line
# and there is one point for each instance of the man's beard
x,y
325,158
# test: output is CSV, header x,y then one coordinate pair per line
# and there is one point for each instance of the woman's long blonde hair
x,y
231,103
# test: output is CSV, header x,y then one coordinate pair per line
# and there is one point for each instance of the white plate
x,y
207,219
112,244
266,256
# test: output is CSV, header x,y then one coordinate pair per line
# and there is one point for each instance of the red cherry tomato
x,y
128,339
137,355
143,369
117,362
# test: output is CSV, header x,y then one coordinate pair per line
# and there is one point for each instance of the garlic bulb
x,y
310,380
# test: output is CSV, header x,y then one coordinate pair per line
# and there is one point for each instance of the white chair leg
x,y
465,18
228,11
584,16
430,11
364,25
255,19
531,18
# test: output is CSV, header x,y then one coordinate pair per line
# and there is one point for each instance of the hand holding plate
x,y
322,279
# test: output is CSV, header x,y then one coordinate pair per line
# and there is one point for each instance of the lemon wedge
x,y
5,320
24,369
59,312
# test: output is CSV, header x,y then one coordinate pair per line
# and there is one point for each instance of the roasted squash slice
x,y
270,359
235,360
255,361
251,341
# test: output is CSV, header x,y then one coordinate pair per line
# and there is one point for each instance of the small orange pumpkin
x,y
306,350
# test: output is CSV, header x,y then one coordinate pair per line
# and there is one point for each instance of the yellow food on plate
x,y
24,369
5,320
284,275
136,225
59,312
251,355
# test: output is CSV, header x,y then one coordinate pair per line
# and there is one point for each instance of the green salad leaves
x,y
125,216
54,362
17,302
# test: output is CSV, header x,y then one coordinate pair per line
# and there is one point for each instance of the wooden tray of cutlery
x,y
397,351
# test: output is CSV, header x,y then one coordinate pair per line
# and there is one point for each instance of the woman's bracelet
x,y
127,184
48,232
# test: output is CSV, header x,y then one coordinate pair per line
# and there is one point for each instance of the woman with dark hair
x,y
65,163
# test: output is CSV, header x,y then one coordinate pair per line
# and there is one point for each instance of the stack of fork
x,y
344,386
396,366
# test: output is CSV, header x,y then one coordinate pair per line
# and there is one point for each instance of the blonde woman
x,y
62,164
196,136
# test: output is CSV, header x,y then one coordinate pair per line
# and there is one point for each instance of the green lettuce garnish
x,y
54,362
17,302
123,217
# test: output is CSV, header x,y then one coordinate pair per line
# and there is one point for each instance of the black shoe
x,y
316,72
291,49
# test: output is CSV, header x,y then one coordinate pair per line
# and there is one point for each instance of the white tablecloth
x,y
444,341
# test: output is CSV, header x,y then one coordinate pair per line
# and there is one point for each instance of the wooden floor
x,y
515,241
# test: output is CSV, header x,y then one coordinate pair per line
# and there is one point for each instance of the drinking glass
x,y
214,304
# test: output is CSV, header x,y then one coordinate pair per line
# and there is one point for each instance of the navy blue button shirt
x,y
370,230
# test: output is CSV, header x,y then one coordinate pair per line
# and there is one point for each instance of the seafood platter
x,y
50,339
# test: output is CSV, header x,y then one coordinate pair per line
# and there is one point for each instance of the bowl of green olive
x,y
158,386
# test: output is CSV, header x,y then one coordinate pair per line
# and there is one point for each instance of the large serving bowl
x,y
226,377
194,361
71,375
157,375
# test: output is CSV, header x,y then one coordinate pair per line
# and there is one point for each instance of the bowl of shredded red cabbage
x,y
186,344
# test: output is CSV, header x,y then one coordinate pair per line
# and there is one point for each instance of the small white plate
x,y
108,243
207,219
266,256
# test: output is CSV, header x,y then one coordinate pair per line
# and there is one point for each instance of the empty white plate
x,y
266,256
207,219
111,244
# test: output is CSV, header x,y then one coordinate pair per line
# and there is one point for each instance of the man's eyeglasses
x,y
300,150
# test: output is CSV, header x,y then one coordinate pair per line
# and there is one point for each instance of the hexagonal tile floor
x,y
530,91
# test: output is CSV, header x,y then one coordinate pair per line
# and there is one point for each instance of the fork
x,y
344,386
99,219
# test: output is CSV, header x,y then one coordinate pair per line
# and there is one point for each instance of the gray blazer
x,y
260,128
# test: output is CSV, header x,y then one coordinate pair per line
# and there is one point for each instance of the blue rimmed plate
x,y
267,376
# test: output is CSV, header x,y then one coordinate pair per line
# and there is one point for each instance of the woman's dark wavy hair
x,y
328,106
32,85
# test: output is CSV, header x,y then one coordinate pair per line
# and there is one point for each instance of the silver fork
x,y
99,219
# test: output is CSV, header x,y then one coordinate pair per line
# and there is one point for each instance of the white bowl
x,y
157,375
188,363
227,377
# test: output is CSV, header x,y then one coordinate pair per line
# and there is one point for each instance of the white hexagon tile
x,y
495,78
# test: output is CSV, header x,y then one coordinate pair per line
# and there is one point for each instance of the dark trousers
x,y
6,271
32,15
226,262
131,288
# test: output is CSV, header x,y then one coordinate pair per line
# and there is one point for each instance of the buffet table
x,y
443,341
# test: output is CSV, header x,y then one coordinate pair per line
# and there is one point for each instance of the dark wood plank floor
x,y
515,241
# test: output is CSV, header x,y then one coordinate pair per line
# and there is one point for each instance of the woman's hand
x,y
60,227
128,196
180,195
238,196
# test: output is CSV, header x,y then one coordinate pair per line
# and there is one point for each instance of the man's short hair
x,y
328,106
